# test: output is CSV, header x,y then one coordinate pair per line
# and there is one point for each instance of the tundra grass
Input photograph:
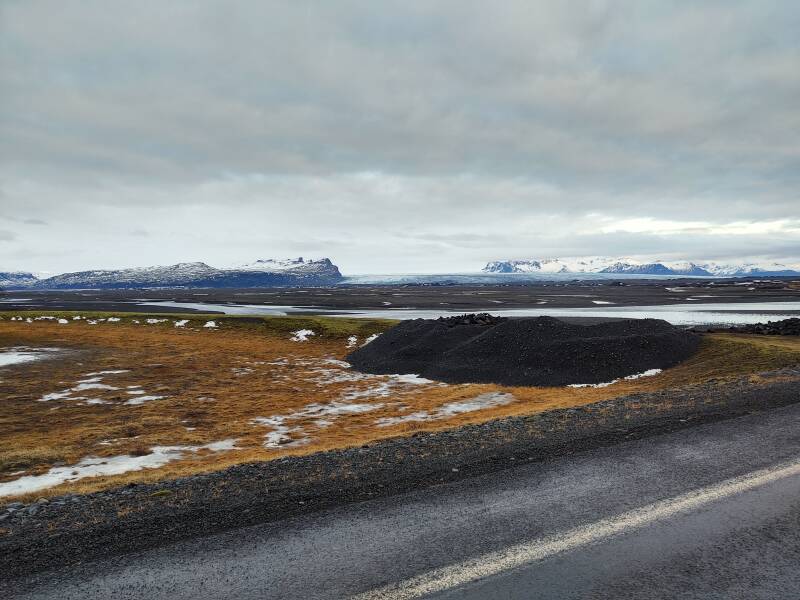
x,y
215,384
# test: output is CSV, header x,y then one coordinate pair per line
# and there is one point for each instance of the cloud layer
x,y
396,136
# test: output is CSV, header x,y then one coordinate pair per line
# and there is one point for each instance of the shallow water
x,y
678,314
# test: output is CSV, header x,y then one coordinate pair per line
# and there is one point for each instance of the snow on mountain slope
x,y
601,264
262,273
17,279
270,265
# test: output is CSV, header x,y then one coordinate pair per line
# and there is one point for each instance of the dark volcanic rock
x,y
784,327
526,351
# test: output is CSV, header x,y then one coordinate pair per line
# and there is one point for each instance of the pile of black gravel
x,y
525,351
784,327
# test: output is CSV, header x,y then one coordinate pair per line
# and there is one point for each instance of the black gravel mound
x,y
525,351
784,327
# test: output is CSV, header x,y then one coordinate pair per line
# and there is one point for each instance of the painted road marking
x,y
493,563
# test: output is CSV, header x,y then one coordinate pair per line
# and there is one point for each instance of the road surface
x,y
708,512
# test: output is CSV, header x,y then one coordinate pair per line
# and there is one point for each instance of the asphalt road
x,y
708,512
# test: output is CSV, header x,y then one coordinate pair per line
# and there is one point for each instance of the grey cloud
x,y
470,121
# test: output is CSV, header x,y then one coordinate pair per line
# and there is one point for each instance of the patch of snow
x,y
113,465
221,446
114,319
601,302
111,372
352,341
92,386
23,354
56,396
141,400
279,436
301,335
648,373
63,322
410,379
154,321
371,338
210,324
181,323
91,381
593,385
480,402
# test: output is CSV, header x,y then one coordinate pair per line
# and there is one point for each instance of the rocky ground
x,y
71,529
783,327
541,351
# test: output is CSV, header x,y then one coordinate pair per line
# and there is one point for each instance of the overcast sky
x,y
407,136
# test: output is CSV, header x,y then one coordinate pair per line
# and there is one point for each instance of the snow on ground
x,y
601,302
352,341
181,323
93,381
112,372
648,373
329,371
301,335
371,338
279,436
141,400
210,324
22,354
113,465
353,399
480,402
154,321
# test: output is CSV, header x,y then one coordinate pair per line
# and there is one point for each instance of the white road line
x,y
493,563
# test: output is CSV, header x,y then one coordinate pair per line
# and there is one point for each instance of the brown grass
x,y
215,382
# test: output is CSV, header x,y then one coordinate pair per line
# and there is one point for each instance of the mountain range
x,y
261,273
629,266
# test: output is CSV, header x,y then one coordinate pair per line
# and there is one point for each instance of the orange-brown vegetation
x,y
215,383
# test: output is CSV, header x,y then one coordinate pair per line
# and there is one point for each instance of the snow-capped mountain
x,y
270,265
261,273
630,266
16,279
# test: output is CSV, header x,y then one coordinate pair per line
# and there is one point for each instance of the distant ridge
x,y
261,273
602,264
